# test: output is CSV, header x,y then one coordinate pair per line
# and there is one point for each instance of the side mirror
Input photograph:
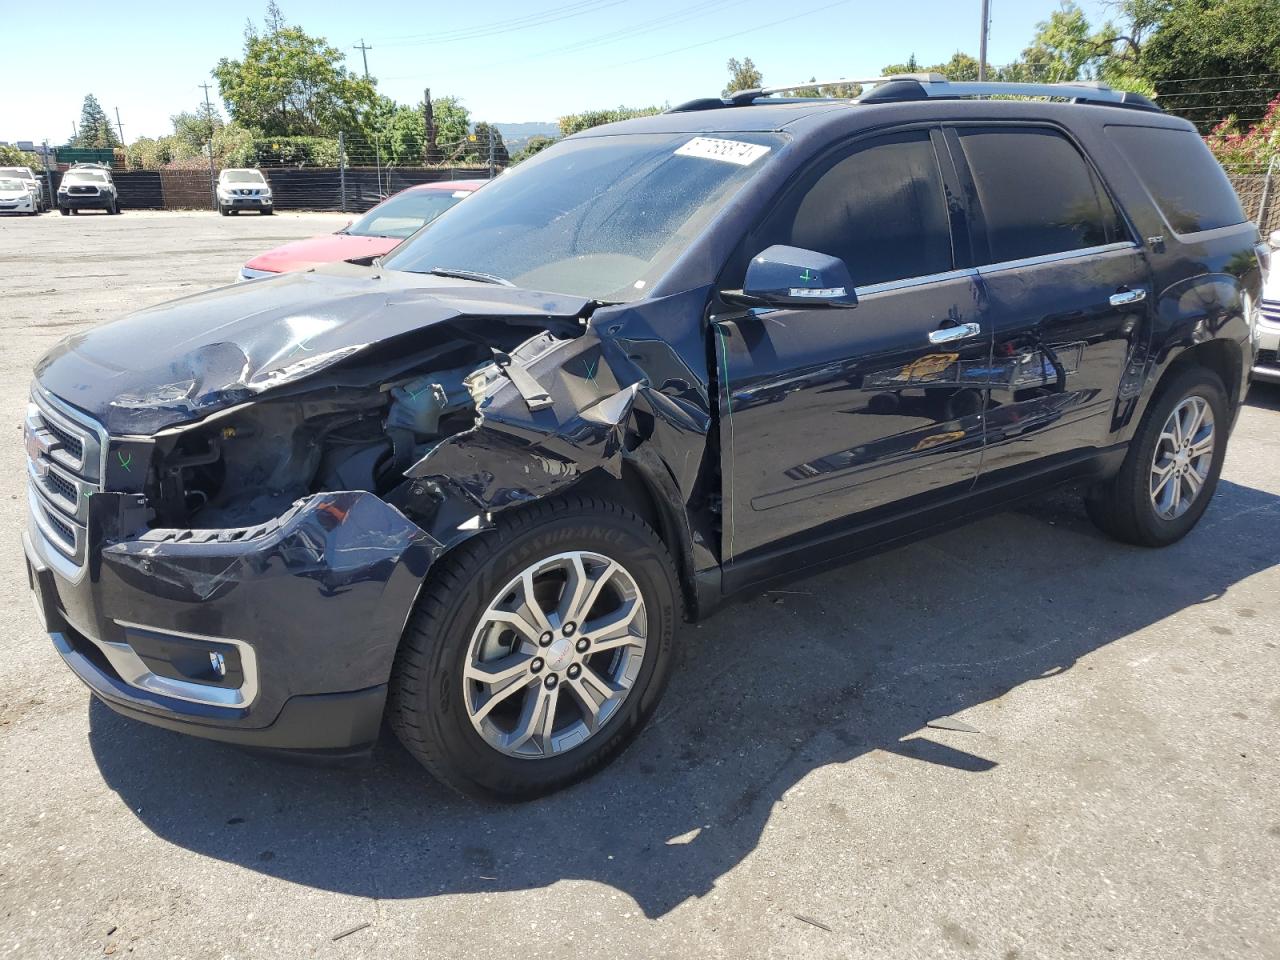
x,y
783,276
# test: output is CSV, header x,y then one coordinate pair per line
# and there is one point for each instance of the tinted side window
x,y
1038,194
881,209
1182,177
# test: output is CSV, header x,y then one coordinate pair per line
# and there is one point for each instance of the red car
x,y
377,232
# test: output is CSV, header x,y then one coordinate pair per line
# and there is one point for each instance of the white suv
x,y
1267,365
243,189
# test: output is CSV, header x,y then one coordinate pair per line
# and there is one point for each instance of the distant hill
x,y
523,131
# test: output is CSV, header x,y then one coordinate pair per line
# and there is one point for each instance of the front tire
x,y
536,651
1172,467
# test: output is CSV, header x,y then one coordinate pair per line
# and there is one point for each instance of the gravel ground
x,y
1113,795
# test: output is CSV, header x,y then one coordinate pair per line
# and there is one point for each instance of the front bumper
x,y
308,610
1266,364
252,203
101,201
18,206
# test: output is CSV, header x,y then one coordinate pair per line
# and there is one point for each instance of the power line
x,y
507,26
626,33
730,36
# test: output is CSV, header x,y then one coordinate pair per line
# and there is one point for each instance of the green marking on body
x,y
124,461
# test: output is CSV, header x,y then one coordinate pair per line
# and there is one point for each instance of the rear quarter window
x,y
1188,186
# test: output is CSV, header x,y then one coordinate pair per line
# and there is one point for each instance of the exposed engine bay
x,y
251,463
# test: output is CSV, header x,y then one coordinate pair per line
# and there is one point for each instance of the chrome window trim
x,y
135,672
1056,257
871,289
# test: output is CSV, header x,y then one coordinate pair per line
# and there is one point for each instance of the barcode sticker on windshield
x,y
729,151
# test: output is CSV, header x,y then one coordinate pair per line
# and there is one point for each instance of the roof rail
x,y
934,86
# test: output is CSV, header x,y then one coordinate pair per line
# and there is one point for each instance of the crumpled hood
x,y
180,361
326,248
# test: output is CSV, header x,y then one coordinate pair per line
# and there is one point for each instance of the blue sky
x,y
508,61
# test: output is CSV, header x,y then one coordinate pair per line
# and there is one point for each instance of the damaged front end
x,y
271,495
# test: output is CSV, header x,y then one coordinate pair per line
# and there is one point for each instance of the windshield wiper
x,y
469,275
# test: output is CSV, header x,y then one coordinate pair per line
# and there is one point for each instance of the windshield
x,y
241,176
21,173
404,215
89,175
11,183
601,217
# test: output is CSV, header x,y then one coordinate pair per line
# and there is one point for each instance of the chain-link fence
x,y
346,173
1256,186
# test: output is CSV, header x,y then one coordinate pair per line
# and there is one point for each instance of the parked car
x,y
88,186
16,197
243,189
477,488
377,232
1267,365
32,182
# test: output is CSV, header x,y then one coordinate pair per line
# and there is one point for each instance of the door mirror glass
x,y
783,276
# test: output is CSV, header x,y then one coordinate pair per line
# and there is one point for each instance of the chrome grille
x,y
65,451
1271,311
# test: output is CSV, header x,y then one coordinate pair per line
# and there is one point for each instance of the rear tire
x,y
1159,494
447,718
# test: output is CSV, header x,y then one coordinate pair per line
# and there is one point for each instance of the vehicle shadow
x,y
824,672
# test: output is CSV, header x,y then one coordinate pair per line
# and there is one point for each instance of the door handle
x,y
962,331
1125,298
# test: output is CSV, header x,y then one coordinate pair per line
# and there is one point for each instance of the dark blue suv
x,y
475,487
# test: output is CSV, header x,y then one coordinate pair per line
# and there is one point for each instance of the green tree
x,y
535,145
574,122
453,127
289,83
11,156
193,129
1198,44
95,130
483,132
743,75
960,67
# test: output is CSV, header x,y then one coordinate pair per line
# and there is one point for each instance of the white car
x,y
16,197
1267,365
243,189
32,182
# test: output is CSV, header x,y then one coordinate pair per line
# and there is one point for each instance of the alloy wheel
x,y
1183,457
555,655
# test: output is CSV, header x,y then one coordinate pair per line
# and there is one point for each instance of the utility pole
x,y
430,152
120,126
982,42
491,158
48,179
377,152
213,180
342,169
74,131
